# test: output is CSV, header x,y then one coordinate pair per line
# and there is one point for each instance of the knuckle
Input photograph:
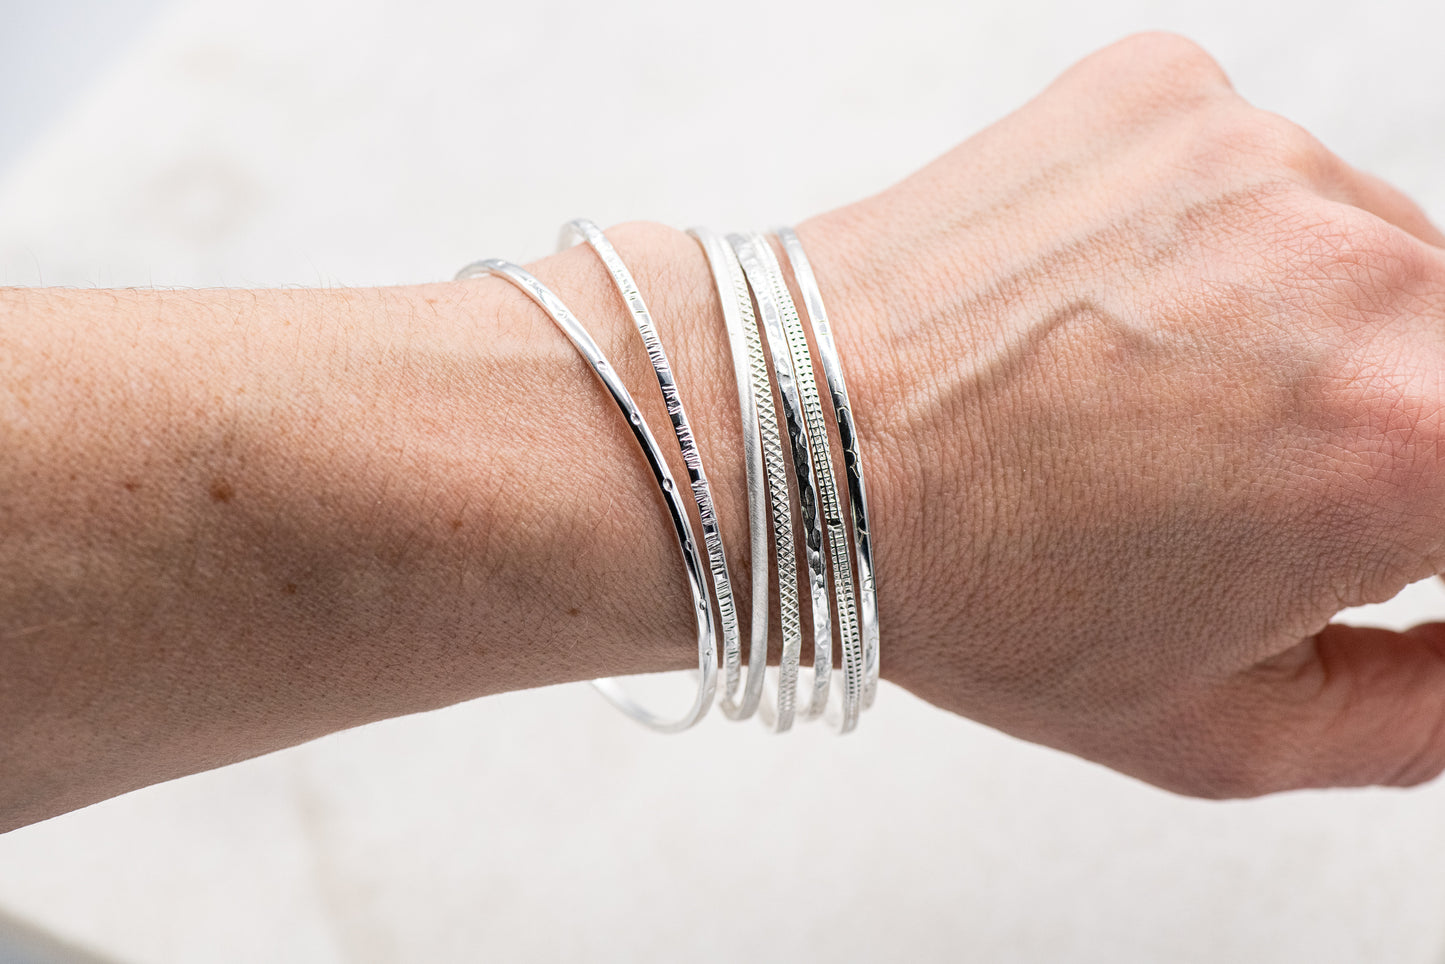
x,y
1171,53
1163,65
1339,254
1261,138
1390,416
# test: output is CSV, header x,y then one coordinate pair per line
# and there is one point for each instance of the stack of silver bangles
x,y
754,293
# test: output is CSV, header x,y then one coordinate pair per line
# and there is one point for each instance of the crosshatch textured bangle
x,y
832,510
582,229
687,543
751,254
763,461
852,455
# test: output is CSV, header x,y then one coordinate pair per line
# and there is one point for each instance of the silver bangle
x,y
762,459
832,510
852,457
582,229
706,632
763,276
767,475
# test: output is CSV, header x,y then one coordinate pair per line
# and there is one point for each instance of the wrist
x,y
674,279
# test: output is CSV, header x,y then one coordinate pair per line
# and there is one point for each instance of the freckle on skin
x,y
221,491
131,485
289,589
456,523
573,611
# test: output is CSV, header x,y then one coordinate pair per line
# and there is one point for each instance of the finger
x,y
1351,706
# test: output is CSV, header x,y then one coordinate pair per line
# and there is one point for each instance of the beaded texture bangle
x,y
761,271
832,514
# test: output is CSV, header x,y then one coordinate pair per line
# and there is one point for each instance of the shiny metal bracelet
x,y
582,229
767,482
764,277
702,609
831,507
852,457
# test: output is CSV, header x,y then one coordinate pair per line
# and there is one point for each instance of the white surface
x,y
51,52
315,142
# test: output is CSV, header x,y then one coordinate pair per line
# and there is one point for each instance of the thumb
x,y
1349,706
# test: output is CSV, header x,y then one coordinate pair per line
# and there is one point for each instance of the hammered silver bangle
x,y
762,274
765,470
852,456
677,511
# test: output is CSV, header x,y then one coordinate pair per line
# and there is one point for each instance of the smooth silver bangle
x,y
762,274
831,507
582,229
762,459
852,456
706,631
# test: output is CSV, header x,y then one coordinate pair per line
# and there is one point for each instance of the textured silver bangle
x,y
763,463
706,630
582,229
832,509
764,277
852,456
767,477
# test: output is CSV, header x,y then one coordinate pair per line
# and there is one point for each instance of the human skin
x,y
1148,387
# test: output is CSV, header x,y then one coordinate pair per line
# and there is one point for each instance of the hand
x,y
1152,385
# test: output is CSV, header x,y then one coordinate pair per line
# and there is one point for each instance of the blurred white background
x,y
315,142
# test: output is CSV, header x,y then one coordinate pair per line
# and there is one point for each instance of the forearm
x,y
237,520
1134,433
